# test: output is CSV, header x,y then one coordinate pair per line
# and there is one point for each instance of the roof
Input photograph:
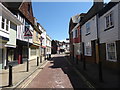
x,y
107,8
12,5
92,12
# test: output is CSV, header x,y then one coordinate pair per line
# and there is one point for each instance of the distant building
x,y
54,47
48,45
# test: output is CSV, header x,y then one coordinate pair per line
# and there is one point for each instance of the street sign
x,y
28,33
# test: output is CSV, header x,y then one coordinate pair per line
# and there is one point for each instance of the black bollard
x,y
37,61
50,56
10,76
27,65
100,72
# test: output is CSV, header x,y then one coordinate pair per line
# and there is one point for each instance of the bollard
x,y
27,65
37,61
100,72
10,76
50,56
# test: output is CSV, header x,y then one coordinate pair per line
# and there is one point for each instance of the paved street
x,y
58,73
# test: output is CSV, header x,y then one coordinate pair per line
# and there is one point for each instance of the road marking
x,y
83,78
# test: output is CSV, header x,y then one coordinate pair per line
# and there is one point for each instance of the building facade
x,y
109,34
8,30
48,45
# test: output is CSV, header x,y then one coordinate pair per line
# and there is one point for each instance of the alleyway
x,y
57,74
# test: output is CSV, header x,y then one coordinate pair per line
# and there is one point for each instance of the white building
x,y
8,30
48,45
109,34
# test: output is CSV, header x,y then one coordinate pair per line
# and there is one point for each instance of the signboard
x,y
27,34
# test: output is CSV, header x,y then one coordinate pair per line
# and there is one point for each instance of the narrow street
x,y
58,73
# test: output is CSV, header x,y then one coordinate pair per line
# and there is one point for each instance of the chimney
x,y
98,1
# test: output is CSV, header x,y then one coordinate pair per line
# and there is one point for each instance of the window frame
x,y
87,28
3,23
107,57
109,20
88,45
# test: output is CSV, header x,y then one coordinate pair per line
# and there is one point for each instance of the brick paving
x,y
58,73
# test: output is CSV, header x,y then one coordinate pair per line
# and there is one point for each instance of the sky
x,y
55,16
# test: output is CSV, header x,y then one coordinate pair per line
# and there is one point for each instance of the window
x,y
3,23
88,28
111,51
37,36
109,20
7,25
88,51
76,33
33,51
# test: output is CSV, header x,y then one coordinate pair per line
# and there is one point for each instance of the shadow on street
x,y
61,62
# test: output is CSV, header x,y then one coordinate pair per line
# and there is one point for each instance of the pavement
x,y
19,73
58,73
111,77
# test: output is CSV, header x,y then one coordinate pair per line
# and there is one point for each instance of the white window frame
x,y
88,28
109,20
5,24
107,58
88,45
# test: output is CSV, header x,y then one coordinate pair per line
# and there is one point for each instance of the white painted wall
x,y
12,35
93,33
110,35
44,36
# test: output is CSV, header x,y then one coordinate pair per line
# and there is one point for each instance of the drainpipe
x,y
98,48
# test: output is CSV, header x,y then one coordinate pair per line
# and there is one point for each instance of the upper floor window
x,y
3,23
7,25
37,36
76,33
109,20
88,28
